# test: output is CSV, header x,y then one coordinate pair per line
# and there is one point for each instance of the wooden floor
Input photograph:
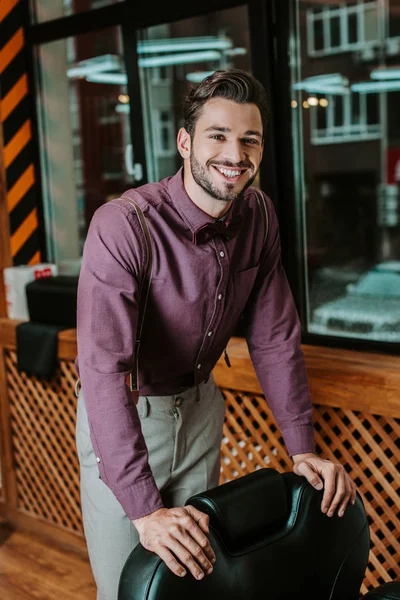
x,y
31,568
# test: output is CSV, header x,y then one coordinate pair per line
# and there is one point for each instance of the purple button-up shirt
x,y
198,293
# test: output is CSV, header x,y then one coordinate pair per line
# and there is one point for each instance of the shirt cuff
x,y
140,499
299,440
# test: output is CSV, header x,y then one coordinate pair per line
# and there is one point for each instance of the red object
x,y
41,273
393,166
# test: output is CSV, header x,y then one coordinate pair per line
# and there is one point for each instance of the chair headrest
x,y
243,515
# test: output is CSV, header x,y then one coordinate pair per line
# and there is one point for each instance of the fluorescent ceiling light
x,y
321,88
198,76
115,78
376,86
386,73
181,58
236,52
98,64
328,83
123,108
328,78
183,44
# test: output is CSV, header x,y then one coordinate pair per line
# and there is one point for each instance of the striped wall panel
x,y
17,135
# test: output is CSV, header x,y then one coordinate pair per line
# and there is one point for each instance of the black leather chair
x,y
272,542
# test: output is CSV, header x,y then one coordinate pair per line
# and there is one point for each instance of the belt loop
x,y
143,407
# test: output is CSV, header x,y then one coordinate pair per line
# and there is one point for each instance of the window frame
x,y
343,13
271,25
348,131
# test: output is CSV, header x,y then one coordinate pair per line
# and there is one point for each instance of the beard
x,y
226,193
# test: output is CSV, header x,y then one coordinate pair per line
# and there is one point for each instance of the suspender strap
x,y
263,207
144,290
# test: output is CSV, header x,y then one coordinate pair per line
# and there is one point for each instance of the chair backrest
x,y
271,541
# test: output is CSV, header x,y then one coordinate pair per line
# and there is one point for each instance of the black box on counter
x,y
53,300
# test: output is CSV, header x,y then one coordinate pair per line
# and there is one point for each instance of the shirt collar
x,y
192,215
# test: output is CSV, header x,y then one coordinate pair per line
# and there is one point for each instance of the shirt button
x,y
178,401
199,366
219,296
209,334
222,254
97,459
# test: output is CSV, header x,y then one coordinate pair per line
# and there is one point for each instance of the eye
x,y
252,141
217,136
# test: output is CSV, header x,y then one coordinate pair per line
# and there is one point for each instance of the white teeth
x,y
229,173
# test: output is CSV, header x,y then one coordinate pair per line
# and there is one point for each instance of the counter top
x,y
354,380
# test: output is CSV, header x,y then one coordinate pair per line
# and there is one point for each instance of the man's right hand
x,y
178,537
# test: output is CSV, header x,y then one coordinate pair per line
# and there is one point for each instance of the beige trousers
x,y
183,434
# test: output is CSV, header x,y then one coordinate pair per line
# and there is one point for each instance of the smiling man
x,y
215,258
224,154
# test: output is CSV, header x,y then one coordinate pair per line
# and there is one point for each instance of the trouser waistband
x,y
192,394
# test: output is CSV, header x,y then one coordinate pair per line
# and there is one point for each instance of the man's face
x,y
226,148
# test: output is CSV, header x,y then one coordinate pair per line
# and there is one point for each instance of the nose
x,y
234,151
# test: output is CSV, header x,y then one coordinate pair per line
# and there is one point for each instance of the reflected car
x,y
370,309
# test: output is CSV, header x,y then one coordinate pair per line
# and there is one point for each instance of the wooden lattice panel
x,y
367,445
42,420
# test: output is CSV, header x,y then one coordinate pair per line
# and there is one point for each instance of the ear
x,y
183,143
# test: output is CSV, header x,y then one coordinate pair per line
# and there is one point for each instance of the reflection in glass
x,y
83,106
335,31
348,60
174,56
86,154
45,10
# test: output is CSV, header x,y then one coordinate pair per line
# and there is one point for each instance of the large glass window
x,y
87,157
86,153
171,58
46,10
345,98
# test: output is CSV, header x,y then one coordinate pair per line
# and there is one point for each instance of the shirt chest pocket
x,y
243,282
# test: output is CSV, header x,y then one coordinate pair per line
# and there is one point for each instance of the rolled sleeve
x,y
273,335
107,313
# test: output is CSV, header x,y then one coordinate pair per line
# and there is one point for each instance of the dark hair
x,y
232,84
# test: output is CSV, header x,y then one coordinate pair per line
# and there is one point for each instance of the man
x,y
140,463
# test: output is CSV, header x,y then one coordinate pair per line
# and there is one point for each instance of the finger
x,y
170,561
197,550
305,469
195,533
329,490
202,519
353,493
339,495
185,557
347,498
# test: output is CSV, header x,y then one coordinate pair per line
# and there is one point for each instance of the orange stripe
x,y
11,49
23,232
15,145
6,6
20,188
14,97
36,258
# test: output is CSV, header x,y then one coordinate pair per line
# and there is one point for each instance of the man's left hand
x,y
339,489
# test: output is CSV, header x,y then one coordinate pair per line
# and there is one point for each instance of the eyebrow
x,y
227,130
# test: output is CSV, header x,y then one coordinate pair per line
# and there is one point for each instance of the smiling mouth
x,y
232,175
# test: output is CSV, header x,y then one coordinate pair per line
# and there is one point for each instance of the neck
x,y
211,206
